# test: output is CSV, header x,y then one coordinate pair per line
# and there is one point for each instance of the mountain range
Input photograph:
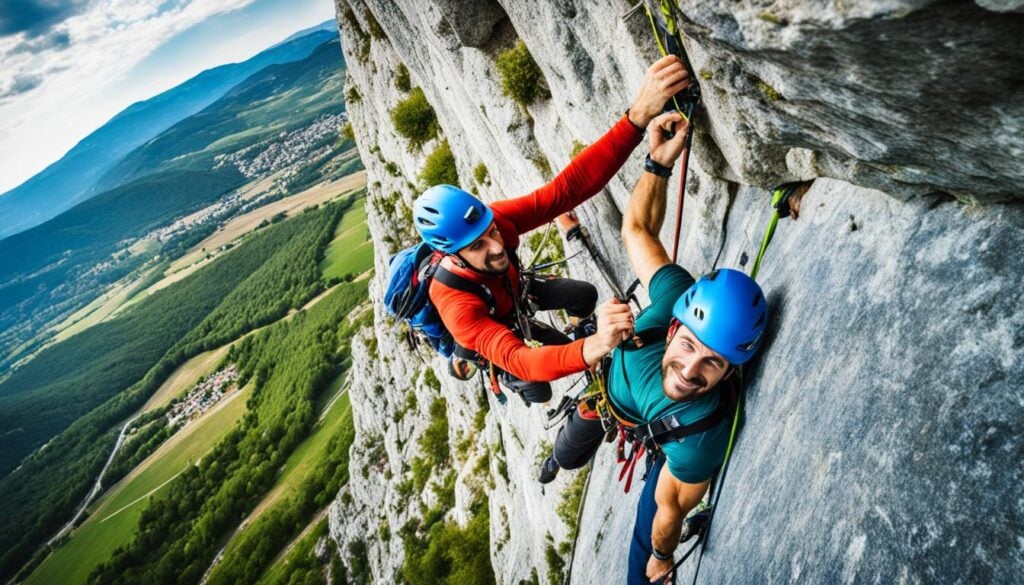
x,y
75,177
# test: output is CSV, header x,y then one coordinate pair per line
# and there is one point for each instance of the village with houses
x,y
208,392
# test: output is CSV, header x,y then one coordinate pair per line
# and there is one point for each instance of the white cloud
x,y
56,78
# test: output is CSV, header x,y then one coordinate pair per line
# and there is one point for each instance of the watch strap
x,y
656,168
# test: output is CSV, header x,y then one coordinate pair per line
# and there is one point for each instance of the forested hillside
x,y
290,364
115,366
56,267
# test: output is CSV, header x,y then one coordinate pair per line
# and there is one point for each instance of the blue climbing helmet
x,y
727,312
449,219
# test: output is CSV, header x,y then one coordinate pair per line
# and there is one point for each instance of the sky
x,y
69,66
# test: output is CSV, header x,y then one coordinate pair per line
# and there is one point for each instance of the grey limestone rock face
x,y
882,439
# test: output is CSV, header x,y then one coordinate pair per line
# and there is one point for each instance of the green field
x,y
113,518
300,557
351,250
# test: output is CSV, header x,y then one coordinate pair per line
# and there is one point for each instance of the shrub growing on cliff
x,y
439,168
402,82
446,553
415,120
521,77
481,175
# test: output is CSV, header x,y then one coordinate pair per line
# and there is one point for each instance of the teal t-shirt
x,y
692,459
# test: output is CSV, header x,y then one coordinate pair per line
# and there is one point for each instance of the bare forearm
x,y
646,210
666,529
642,224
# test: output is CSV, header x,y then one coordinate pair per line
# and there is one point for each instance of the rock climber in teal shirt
x,y
707,329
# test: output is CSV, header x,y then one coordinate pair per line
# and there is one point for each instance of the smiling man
x,y
671,380
480,243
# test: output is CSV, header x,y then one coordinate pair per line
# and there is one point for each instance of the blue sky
x,y
71,65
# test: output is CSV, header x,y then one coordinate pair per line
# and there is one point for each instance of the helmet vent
x,y
698,313
431,210
760,320
426,222
757,300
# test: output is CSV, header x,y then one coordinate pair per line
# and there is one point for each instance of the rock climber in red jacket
x,y
481,243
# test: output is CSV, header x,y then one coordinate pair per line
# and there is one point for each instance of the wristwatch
x,y
660,555
656,168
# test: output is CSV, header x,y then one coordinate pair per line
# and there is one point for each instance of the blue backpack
x,y
410,273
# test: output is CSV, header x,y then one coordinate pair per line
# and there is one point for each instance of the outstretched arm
x,y
645,212
675,499
591,170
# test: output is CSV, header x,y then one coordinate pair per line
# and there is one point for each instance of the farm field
x,y
96,311
113,518
351,251
244,224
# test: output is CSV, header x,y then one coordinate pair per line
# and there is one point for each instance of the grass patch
x,y
577,148
415,120
555,562
521,77
543,166
448,554
769,92
352,96
569,507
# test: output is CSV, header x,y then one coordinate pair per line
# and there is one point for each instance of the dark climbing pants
x,y
578,298
577,441
640,546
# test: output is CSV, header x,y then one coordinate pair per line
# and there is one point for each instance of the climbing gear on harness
x,y
780,208
727,312
640,438
461,368
449,219
495,387
647,438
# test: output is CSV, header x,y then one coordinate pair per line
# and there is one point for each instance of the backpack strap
x,y
452,280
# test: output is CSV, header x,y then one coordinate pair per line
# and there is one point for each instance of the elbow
x,y
629,226
632,229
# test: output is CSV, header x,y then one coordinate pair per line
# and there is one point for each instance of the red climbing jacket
x,y
468,318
